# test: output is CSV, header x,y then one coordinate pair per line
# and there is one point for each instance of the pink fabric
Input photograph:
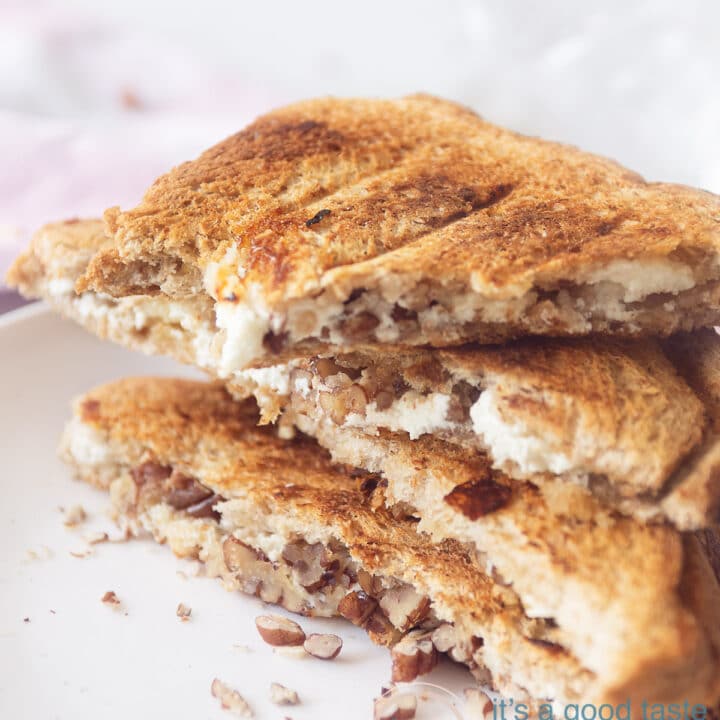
x,y
98,98
90,114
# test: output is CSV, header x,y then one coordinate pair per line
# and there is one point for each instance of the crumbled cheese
x,y
245,330
640,278
413,413
275,378
509,442
87,445
302,385
58,287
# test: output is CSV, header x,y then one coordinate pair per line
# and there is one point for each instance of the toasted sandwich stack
x,y
465,391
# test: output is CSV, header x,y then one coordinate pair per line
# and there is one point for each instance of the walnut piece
x,y
325,647
74,516
414,655
110,598
281,695
279,631
96,538
404,607
357,606
183,612
397,706
477,498
381,630
237,555
231,699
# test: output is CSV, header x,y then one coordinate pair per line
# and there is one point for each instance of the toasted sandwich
x,y
412,222
592,607
613,415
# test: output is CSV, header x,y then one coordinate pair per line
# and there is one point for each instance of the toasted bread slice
x,y
416,222
590,607
611,415
614,417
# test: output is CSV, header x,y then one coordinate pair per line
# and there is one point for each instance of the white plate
x,y
75,657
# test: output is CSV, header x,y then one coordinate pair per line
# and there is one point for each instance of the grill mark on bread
x,y
477,202
393,215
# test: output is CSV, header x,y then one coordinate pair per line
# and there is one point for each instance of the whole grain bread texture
x,y
570,602
629,419
413,221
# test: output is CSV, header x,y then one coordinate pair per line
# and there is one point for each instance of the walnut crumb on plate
x,y
183,612
231,699
110,598
74,516
395,706
281,695
96,537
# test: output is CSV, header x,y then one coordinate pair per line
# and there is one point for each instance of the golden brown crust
x,y
557,547
621,401
198,430
59,253
615,396
697,357
619,581
60,250
350,194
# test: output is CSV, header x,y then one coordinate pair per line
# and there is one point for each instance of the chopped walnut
x,y
381,630
369,583
324,647
110,598
231,699
44,553
96,538
74,516
279,631
404,607
343,402
81,554
281,695
414,655
357,606
183,612
396,706
477,498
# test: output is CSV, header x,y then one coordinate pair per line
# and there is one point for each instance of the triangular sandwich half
x,y
637,620
412,221
611,415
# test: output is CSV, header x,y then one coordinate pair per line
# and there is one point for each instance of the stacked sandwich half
x,y
465,391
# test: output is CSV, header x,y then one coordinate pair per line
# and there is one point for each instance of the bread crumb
x,y
281,695
110,598
130,100
45,553
395,706
81,554
74,516
297,652
230,699
96,537
183,612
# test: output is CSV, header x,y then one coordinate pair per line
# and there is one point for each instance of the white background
x,y
636,80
